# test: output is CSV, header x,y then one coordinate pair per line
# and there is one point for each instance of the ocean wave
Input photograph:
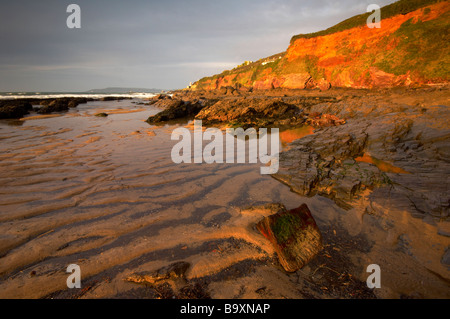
x,y
9,96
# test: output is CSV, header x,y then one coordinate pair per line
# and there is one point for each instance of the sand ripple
x,y
72,192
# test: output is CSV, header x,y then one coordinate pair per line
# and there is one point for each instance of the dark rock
x,y
251,112
14,111
114,98
175,271
101,115
163,97
324,120
407,163
404,244
176,109
76,101
245,89
322,84
310,84
16,108
444,229
294,235
158,98
165,103
230,90
22,103
324,164
28,106
223,90
72,104
58,105
446,258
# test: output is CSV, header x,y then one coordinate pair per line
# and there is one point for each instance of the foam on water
x,y
37,95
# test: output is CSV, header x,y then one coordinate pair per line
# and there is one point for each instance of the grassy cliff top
x,y
399,7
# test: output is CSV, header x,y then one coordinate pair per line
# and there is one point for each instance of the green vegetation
x,y
399,7
423,47
311,62
304,64
286,226
259,69
256,69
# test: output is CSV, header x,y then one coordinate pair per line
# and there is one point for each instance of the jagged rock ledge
x,y
17,108
392,142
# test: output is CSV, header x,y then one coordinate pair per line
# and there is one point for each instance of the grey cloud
x,y
164,44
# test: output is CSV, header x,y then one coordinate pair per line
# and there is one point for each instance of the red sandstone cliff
x,y
410,48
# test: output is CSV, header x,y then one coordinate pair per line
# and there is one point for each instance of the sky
x,y
162,44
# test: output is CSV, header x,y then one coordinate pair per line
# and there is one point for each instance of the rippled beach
x,y
103,193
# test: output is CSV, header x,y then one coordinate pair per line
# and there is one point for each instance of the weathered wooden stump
x,y
294,235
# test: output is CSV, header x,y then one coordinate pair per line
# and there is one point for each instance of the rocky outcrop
x,y
294,235
160,100
15,110
257,109
324,164
59,105
323,120
62,104
399,152
74,102
251,112
177,108
114,98
321,84
383,142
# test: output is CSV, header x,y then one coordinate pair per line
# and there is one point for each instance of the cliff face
x,y
409,49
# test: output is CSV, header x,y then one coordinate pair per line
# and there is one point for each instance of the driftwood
x,y
294,235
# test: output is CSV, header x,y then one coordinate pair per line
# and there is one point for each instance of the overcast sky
x,y
149,44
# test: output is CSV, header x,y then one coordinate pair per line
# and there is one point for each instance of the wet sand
x,y
104,193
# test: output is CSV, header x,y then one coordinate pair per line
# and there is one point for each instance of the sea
x,y
55,95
